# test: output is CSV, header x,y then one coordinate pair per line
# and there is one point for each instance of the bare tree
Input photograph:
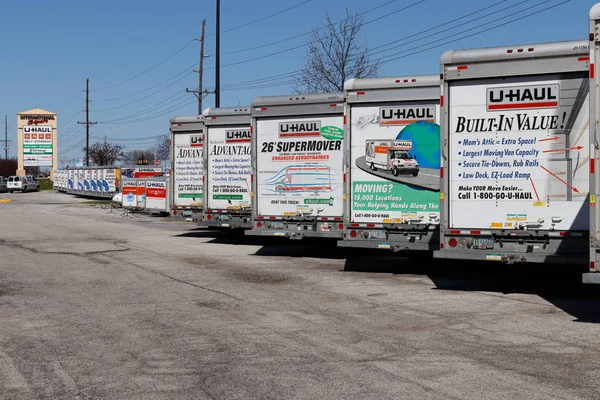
x,y
163,147
335,54
102,153
134,156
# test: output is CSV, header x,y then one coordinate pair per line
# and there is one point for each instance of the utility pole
x,y
87,122
6,137
200,93
218,58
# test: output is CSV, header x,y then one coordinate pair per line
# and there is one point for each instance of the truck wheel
x,y
373,167
395,171
415,173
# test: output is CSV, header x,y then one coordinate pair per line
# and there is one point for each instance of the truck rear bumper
x,y
592,278
394,241
294,234
512,257
226,221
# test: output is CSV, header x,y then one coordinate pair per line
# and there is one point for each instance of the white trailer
x,y
187,169
593,276
157,195
515,173
227,168
386,210
297,166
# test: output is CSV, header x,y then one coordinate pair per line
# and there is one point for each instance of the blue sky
x,y
139,55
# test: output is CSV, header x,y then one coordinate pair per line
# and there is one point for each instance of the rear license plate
x,y
377,234
277,225
483,244
325,227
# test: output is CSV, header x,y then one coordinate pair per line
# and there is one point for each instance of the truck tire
x,y
395,171
415,173
372,166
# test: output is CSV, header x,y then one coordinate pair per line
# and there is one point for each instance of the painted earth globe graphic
x,y
425,137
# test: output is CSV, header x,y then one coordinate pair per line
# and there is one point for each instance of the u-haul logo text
x,y
405,115
300,129
196,140
523,97
238,136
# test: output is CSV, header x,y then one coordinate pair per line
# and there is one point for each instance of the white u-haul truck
x,y
392,152
227,168
187,169
515,153
593,276
297,166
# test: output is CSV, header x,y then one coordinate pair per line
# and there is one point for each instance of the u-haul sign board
x,y
299,165
37,145
405,115
523,97
229,168
519,153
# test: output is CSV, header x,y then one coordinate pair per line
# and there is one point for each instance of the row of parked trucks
x,y
494,159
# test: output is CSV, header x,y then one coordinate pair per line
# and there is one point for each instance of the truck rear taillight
x,y
174,212
352,234
259,224
341,226
452,242
208,217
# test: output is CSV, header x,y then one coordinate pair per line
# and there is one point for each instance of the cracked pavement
x,y
96,304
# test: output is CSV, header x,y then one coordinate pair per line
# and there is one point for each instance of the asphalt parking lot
x,y
99,304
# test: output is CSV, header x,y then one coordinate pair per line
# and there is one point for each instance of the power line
x,y
264,18
192,41
142,98
186,70
306,44
149,69
177,96
251,83
395,42
305,33
488,28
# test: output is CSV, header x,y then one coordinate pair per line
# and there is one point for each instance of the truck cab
x,y
402,162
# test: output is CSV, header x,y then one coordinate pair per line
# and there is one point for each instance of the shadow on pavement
x,y
559,285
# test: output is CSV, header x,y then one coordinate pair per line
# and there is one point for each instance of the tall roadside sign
x,y
37,140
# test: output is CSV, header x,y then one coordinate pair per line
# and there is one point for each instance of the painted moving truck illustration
x,y
297,166
391,155
227,168
302,178
392,200
515,173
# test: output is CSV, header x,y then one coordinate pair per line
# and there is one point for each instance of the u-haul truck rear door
x,y
188,150
299,164
377,194
229,167
518,152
